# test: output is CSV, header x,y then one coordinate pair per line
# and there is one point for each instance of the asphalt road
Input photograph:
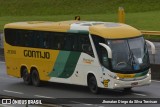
x,y
14,87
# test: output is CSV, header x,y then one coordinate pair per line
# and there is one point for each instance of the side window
x,y
28,42
20,38
47,40
40,39
104,57
69,42
58,41
52,41
72,42
10,36
102,52
85,45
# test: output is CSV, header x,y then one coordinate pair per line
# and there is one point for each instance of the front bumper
x,y
131,83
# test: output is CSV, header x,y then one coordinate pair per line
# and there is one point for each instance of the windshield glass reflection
x,y
129,54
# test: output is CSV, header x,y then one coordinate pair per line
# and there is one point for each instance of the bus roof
x,y
108,30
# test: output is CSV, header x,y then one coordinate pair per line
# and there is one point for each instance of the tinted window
x,y
49,40
101,51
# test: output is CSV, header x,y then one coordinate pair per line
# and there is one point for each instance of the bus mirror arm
x,y
153,49
108,49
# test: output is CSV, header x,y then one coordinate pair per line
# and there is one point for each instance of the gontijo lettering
x,y
36,54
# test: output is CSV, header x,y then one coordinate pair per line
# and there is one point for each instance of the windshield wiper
x,y
131,58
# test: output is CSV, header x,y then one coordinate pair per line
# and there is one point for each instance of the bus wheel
x,y
26,76
35,78
92,84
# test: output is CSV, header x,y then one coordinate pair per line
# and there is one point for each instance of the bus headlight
x,y
117,78
114,77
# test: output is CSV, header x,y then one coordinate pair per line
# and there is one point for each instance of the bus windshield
x,y
129,55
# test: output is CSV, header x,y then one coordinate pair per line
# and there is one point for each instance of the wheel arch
x,y
89,75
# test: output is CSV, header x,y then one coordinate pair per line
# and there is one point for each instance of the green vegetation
x,y
141,20
61,7
154,38
142,14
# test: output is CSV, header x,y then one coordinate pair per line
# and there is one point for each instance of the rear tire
x,y
26,77
35,78
92,84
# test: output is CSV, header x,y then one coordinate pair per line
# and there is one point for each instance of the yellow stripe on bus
x,y
126,75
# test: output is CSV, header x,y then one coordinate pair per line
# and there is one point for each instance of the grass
x,y
144,20
61,7
140,20
153,38
142,14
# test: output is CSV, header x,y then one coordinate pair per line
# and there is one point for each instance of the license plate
x,y
134,83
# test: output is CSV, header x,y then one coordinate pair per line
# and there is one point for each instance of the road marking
x,y
87,104
44,96
15,92
2,105
139,94
155,81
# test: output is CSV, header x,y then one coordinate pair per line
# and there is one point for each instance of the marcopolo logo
x,y
36,54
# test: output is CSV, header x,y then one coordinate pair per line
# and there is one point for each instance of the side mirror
x,y
108,49
153,49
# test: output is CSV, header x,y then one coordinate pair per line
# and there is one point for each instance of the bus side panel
x,y
11,61
64,67
85,64
75,69
16,57
45,67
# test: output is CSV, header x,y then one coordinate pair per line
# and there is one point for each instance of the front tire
x,y
35,78
26,77
92,84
